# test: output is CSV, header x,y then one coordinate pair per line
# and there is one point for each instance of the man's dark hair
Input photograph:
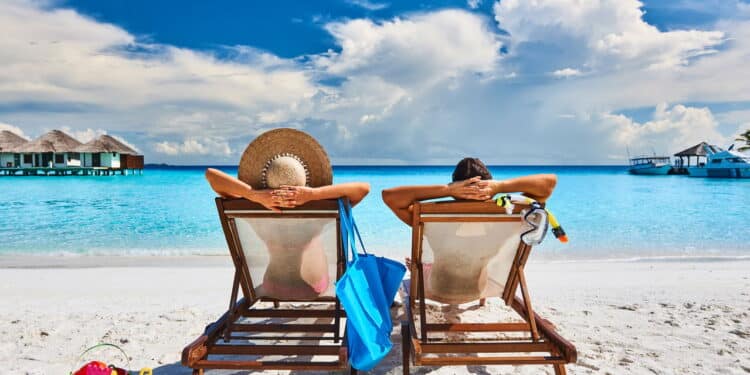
x,y
470,167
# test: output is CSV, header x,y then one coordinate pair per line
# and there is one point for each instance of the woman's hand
x,y
293,196
472,189
267,199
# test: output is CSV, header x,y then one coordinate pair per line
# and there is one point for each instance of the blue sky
x,y
293,28
407,82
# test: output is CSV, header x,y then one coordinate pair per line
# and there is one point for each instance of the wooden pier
x,y
68,171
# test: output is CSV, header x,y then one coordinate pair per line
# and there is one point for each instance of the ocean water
x,y
606,212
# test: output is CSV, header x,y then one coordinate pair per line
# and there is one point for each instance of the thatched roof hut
x,y
9,140
105,143
52,141
697,150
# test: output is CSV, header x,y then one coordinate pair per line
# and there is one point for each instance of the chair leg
x,y
405,346
560,370
197,371
482,301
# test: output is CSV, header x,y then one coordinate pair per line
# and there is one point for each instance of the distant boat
x,y
650,165
722,163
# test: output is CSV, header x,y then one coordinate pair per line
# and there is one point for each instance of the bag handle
x,y
354,225
98,346
346,240
349,229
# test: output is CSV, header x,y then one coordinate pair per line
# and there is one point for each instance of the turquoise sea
x,y
170,210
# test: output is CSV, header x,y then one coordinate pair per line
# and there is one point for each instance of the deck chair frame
x,y
216,339
431,351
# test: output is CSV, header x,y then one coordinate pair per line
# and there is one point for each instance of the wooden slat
x,y
283,338
248,214
271,365
323,299
505,347
469,219
288,313
462,207
510,360
478,327
244,204
285,327
274,350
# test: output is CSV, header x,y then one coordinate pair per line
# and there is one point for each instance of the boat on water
x,y
650,165
722,163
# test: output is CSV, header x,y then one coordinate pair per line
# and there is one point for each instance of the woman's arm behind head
x,y
293,196
225,185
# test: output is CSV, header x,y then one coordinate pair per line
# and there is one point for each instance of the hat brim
x,y
280,141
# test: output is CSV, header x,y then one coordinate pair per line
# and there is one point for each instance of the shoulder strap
x,y
349,229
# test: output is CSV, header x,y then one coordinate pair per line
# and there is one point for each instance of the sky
x,y
513,82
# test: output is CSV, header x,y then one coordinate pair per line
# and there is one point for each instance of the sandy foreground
x,y
624,317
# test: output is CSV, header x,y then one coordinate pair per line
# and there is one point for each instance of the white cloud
x,y
612,32
437,77
203,146
566,73
474,4
369,5
63,57
13,129
415,51
671,129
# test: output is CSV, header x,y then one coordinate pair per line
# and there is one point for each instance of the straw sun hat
x,y
285,157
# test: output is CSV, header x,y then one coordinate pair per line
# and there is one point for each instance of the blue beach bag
x,y
366,291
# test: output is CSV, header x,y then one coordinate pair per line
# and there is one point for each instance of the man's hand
x,y
293,196
472,189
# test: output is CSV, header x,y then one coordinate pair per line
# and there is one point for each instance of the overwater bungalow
x,y
8,141
54,149
106,151
57,153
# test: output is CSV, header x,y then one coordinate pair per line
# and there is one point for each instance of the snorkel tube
x,y
557,229
509,201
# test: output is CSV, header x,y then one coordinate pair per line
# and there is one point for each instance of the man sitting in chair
x,y
286,168
471,181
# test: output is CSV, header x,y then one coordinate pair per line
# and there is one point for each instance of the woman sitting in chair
x,y
463,275
286,168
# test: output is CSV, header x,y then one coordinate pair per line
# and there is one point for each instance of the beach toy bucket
x,y
101,368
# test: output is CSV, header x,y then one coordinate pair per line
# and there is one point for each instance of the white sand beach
x,y
655,317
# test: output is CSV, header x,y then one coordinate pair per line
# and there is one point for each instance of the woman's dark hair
x,y
471,167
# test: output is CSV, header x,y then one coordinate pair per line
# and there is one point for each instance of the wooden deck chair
x,y
264,330
468,251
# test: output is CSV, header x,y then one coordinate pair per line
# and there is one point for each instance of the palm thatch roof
x,y
9,140
52,141
105,143
697,150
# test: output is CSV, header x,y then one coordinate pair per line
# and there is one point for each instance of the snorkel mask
x,y
536,219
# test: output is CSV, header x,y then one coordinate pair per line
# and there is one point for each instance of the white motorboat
x,y
722,163
650,165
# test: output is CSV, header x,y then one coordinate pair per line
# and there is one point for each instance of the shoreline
x,y
41,261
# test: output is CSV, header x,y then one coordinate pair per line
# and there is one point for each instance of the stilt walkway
x,y
72,171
